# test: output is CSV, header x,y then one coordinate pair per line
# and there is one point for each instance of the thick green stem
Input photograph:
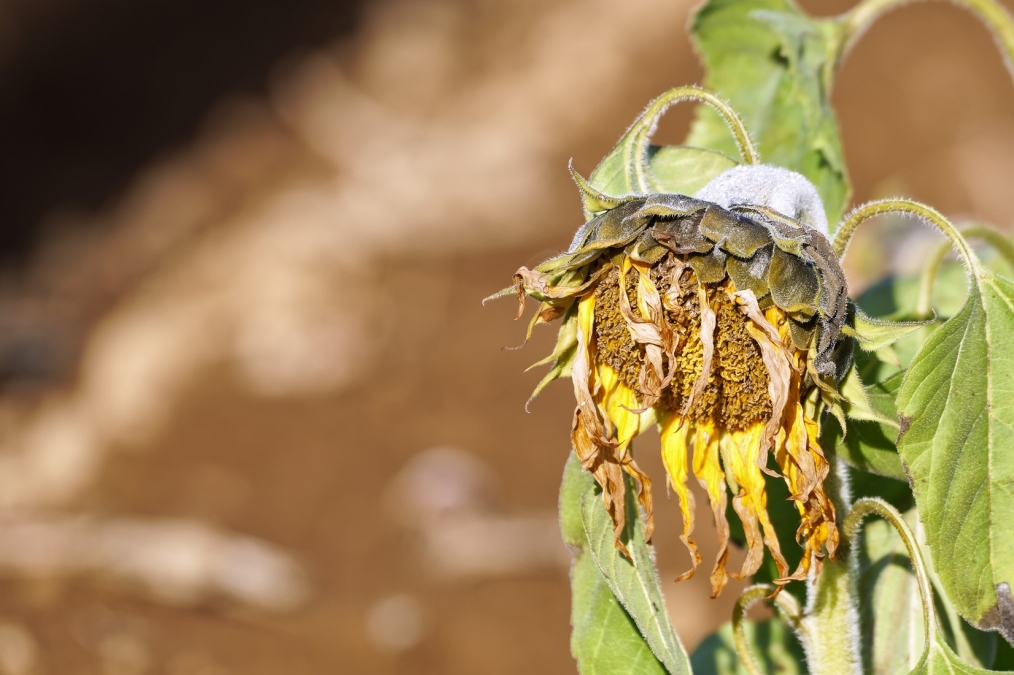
x,y
831,625
829,629
999,242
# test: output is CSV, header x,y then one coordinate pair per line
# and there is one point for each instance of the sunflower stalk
x,y
829,628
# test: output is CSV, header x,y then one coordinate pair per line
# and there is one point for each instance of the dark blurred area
x,y
90,90
253,417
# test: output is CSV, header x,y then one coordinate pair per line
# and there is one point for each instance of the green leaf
x,y
937,656
604,639
956,404
772,642
767,59
635,584
685,170
677,169
636,167
869,443
897,295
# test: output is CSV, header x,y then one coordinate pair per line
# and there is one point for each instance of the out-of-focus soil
x,y
264,328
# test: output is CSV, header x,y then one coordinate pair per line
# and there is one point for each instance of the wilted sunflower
x,y
722,324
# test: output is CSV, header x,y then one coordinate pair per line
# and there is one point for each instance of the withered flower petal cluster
x,y
722,326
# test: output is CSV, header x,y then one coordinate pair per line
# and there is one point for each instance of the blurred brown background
x,y
253,417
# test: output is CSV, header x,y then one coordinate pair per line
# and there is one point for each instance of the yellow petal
x,y
708,470
805,469
744,453
674,457
589,437
619,404
583,377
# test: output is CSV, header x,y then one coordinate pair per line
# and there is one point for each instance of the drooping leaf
x,y
768,59
604,639
858,402
956,404
774,646
634,583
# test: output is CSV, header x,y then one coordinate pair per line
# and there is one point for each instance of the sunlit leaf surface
x,y
957,410
605,640
767,59
635,584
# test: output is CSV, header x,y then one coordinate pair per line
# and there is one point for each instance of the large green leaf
x,y
604,640
768,59
956,404
685,170
776,648
634,583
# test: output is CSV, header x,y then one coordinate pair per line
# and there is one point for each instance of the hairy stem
x,y
907,207
829,629
871,505
655,109
928,277
786,605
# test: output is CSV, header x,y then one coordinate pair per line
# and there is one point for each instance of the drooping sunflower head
x,y
720,323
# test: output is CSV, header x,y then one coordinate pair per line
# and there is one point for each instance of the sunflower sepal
x,y
873,335
593,201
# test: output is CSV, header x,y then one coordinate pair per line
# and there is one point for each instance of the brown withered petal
x,y
707,335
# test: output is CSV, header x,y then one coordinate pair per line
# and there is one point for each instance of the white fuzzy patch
x,y
787,192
